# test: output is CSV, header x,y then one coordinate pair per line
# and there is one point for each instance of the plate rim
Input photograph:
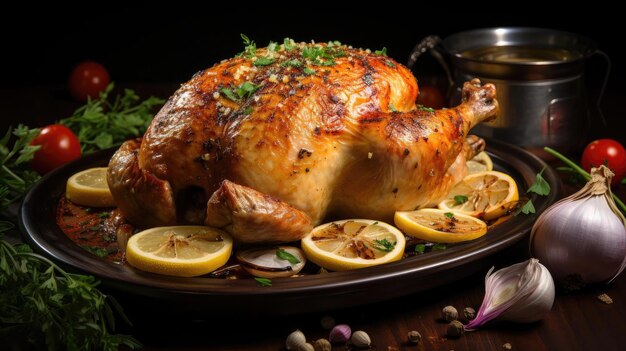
x,y
66,253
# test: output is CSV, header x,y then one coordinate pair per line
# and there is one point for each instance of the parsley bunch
x,y
16,177
47,306
102,124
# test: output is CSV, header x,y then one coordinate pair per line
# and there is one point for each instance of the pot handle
x,y
432,44
604,82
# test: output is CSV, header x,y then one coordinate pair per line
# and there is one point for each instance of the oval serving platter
x,y
293,295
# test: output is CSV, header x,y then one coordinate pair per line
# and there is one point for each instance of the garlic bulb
x,y
523,292
583,235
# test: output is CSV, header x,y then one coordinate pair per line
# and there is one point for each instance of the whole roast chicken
x,y
269,143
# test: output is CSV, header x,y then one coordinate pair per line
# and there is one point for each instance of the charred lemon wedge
x,y
183,251
485,195
480,163
440,226
90,188
353,243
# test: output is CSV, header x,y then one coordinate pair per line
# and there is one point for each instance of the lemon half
x,y
353,243
480,163
440,226
90,188
183,251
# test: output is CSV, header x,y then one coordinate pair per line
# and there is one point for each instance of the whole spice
x,y
340,334
469,313
295,340
449,314
414,337
360,339
305,347
571,235
322,345
455,329
523,292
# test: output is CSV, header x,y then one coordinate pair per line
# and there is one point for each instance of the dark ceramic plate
x,y
287,295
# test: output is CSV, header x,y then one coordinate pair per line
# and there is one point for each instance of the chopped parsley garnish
x,y
263,281
449,214
420,248
242,92
264,61
98,251
272,46
390,64
250,46
527,208
383,51
439,247
308,71
460,199
392,108
427,109
284,255
292,63
248,110
289,44
384,245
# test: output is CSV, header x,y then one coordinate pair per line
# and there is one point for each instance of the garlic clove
x,y
267,262
523,292
295,340
360,339
340,334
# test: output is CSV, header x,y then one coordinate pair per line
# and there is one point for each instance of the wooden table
x,y
578,321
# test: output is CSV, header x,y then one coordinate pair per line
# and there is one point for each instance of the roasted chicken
x,y
270,143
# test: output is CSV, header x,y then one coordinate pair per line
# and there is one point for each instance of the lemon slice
x,y
90,188
353,243
480,163
183,251
440,226
484,195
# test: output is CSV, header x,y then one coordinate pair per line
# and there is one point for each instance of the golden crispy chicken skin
x,y
324,128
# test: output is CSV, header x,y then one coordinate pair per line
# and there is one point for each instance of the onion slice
x,y
269,262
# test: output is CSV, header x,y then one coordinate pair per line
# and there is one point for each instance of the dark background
x,y
139,44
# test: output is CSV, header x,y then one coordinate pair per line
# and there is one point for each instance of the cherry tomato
x,y
430,96
609,152
88,79
59,145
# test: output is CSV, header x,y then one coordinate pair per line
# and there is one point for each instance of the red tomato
x,y
88,79
430,96
59,145
609,152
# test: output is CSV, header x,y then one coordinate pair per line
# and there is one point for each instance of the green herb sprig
x,y
284,255
265,282
49,307
101,124
384,245
16,177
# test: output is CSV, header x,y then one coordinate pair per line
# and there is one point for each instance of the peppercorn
x,y
469,313
449,314
455,329
414,337
322,345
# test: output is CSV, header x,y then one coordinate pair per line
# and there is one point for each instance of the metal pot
x,y
539,76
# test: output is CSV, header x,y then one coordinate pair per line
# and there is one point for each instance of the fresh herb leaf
x,y
292,63
449,214
289,44
439,247
375,223
308,71
16,177
528,208
381,52
246,89
540,186
390,64
420,248
248,110
460,199
384,245
250,46
42,304
392,108
272,46
229,93
104,214
264,61
424,108
263,281
98,251
284,255
103,123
